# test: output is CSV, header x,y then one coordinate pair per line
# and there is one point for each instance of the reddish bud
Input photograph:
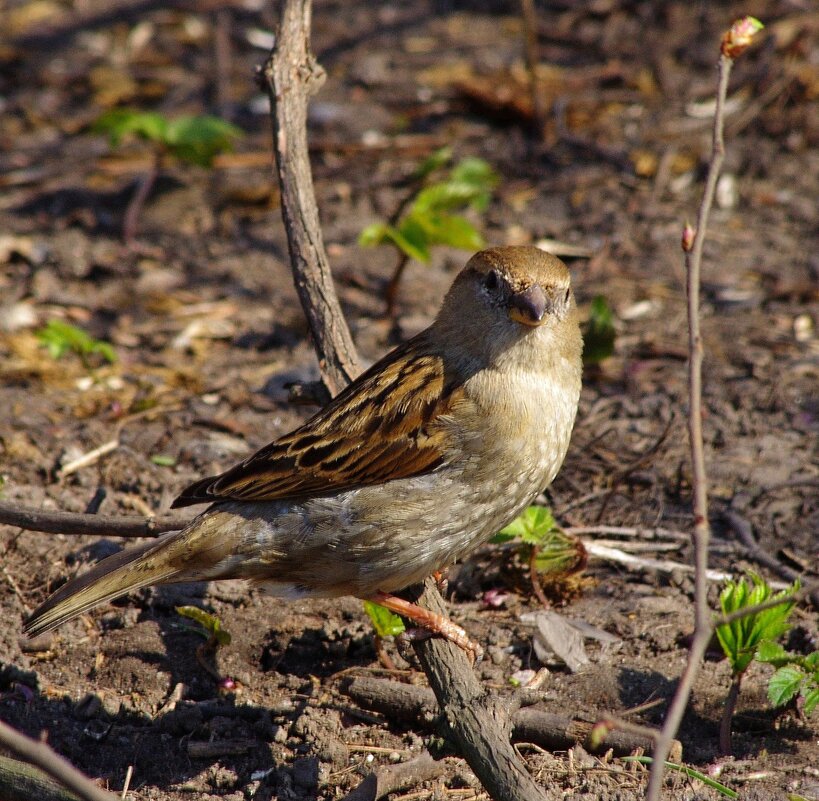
x,y
495,598
688,235
739,36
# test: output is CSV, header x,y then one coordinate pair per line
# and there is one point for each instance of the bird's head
x,y
506,296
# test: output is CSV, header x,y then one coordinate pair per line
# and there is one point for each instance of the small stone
x,y
306,773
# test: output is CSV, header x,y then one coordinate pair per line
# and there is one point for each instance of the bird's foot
x,y
441,580
431,624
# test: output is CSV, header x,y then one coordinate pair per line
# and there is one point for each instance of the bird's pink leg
x,y
432,622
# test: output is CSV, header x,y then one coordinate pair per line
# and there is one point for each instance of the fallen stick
x,y
74,524
389,778
417,706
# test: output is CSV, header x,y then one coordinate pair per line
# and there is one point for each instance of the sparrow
x,y
420,460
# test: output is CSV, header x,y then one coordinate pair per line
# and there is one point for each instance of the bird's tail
x,y
117,575
194,554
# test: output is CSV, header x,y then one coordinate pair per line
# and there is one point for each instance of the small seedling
x,y
598,332
386,624
215,637
795,676
211,630
188,139
61,338
742,638
547,548
427,217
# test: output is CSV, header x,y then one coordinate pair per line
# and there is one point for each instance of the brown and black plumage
x,y
421,459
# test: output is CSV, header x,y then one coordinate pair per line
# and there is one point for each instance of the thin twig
x,y
137,202
89,458
75,524
732,44
60,769
662,565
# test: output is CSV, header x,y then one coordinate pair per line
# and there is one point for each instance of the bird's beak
x,y
529,306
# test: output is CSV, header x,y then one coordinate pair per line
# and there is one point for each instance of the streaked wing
x,y
386,425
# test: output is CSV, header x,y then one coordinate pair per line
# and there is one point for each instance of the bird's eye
x,y
491,280
567,295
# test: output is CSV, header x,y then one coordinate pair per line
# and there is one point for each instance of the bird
x,y
421,459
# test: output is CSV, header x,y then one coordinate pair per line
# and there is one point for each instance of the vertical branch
x,y
291,75
734,42
480,723
702,617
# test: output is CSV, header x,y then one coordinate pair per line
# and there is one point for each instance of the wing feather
x,y
388,424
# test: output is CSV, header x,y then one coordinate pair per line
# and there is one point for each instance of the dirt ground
x,y
208,332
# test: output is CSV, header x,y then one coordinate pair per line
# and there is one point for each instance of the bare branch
x,y
291,75
51,763
734,41
74,524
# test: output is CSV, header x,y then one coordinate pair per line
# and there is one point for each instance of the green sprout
x,y
598,332
61,338
427,217
385,623
548,549
211,629
742,638
188,139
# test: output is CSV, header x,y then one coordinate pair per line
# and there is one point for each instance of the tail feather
x,y
113,577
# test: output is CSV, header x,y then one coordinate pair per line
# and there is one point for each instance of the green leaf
x,y
210,622
531,526
449,229
120,122
163,461
433,162
197,140
412,239
372,235
558,552
479,174
193,139
784,684
811,700
599,333
445,196
385,623
60,338
773,653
